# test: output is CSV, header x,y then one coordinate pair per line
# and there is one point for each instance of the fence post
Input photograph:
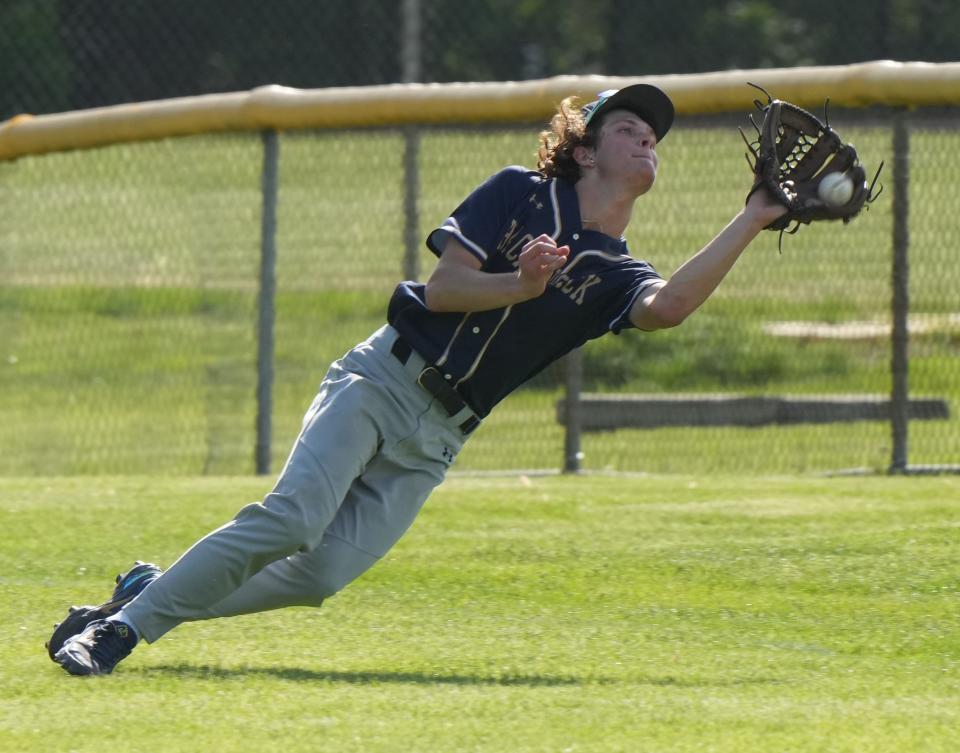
x,y
411,61
411,196
573,370
899,398
266,301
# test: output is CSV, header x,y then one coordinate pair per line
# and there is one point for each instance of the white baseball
x,y
836,189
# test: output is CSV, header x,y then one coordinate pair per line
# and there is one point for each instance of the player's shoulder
x,y
629,258
510,185
516,179
519,174
637,267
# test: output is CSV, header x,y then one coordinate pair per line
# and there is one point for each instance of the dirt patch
x,y
918,324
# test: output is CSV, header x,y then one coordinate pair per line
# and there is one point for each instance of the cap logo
x,y
589,110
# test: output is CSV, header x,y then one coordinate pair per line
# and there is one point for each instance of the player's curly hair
x,y
566,132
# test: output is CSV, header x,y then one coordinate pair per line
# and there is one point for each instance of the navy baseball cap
x,y
644,100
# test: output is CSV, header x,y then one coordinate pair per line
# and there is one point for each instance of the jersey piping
x,y
452,227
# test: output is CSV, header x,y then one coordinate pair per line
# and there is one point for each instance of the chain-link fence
x,y
129,274
129,303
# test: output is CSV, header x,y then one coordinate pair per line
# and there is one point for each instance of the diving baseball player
x,y
531,265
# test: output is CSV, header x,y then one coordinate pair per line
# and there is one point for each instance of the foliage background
x,y
68,54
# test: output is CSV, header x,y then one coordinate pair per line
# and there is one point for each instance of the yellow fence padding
x,y
884,82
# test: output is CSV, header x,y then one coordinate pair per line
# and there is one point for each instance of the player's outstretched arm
x,y
695,280
458,283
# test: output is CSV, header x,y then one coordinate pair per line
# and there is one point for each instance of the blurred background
x,y
68,54
129,273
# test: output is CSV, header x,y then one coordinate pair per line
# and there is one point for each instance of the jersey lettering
x,y
509,247
576,290
509,236
578,294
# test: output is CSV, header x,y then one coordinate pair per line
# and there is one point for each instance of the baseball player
x,y
531,265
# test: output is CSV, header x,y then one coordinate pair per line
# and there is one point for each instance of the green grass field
x,y
637,614
127,302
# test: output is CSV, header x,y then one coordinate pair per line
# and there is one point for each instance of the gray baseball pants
x,y
373,446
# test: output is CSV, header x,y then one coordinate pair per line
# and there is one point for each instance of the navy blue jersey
x,y
488,354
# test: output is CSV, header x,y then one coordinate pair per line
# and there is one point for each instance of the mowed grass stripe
x,y
526,614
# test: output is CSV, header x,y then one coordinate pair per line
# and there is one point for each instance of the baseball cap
x,y
645,100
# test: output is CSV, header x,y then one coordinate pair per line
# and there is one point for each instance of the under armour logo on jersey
x,y
448,454
535,201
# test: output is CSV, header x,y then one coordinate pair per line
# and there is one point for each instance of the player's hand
x,y
538,260
762,209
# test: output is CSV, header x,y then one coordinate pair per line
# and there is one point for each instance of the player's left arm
x,y
667,304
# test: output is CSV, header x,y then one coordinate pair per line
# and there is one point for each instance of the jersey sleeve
x,y
478,221
640,276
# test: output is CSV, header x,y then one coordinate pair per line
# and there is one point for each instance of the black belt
x,y
433,382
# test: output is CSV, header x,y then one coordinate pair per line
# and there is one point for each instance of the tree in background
x,y
36,71
67,54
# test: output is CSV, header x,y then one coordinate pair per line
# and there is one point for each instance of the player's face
x,y
627,149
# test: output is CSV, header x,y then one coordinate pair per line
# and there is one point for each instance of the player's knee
x,y
326,584
324,588
279,526
337,564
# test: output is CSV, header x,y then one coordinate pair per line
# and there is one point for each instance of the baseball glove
x,y
793,152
